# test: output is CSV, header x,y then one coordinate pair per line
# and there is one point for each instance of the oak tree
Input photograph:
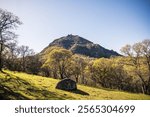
x,y
8,22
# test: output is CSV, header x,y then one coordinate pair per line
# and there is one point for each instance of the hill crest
x,y
80,45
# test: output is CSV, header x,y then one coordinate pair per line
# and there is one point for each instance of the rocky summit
x,y
79,45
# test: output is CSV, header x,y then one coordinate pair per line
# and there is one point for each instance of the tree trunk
x,y
146,89
77,79
1,61
61,76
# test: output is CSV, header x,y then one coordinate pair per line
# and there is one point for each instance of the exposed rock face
x,y
67,84
79,45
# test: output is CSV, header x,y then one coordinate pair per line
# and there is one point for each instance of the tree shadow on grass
x,y
7,94
12,87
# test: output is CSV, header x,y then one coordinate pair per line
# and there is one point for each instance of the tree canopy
x,y
8,22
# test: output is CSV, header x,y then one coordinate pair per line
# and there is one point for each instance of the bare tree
x,y
10,60
24,52
13,49
8,21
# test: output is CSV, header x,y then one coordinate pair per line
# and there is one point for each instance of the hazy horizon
x,y
110,23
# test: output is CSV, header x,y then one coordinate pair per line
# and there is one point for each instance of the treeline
x,y
12,56
129,73
20,58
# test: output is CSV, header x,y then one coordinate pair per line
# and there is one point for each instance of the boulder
x,y
67,84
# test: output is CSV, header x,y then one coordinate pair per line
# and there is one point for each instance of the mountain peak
x,y
68,41
80,45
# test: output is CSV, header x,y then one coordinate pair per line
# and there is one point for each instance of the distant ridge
x,y
80,45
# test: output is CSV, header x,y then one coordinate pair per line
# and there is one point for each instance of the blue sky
x,y
110,23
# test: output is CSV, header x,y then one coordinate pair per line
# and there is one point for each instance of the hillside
x,y
82,46
15,85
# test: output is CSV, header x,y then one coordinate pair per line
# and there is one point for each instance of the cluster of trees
x,y
61,63
138,56
20,58
12,56
130,72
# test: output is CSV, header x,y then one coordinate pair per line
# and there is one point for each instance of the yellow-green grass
x,y
16,85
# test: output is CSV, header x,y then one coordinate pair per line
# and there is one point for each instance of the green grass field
x,y
15,85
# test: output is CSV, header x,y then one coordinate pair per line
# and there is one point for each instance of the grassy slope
x,y
15,85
